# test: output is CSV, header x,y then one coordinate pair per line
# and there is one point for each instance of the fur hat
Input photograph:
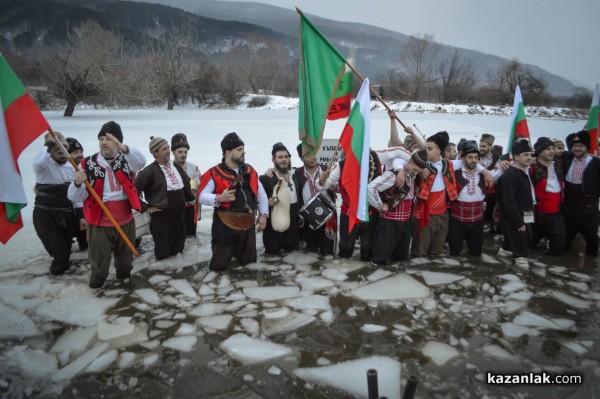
x,y
581,137
520,147
279,147
230,142
487,138
51,142
74,145
155,142
420,158
460,144
112,128
299,150
468,147
541,144
558,141
179,140
441,139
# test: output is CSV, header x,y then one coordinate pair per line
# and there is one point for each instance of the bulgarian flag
x,y
355,140
519,127
321,70
21,123
592,122
340,107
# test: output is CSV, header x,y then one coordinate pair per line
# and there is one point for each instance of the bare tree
x,y
456,78
418,59
171,67
504,83
83,70
264,63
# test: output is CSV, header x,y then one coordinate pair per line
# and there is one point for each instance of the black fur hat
x,y
441,139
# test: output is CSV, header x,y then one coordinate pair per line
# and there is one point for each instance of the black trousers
x,y
288,240
228,243
551,226
55,230
584,221
80,235
518,242
364,230
317,240
391,240
470,232
168,227
190,223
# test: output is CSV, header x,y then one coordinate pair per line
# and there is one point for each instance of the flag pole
x,y
362,79
94,194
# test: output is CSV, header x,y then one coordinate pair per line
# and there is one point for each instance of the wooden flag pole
x,y
362,79
94,194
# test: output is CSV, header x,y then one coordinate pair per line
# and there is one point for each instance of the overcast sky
x,y
559,36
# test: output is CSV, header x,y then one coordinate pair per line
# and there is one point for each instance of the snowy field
x,y
297,325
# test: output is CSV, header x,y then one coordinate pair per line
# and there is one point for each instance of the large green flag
x,y
321,69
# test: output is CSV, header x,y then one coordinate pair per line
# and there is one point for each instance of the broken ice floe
x,y
528,319
436,278
351,376
400,286
252,350
439,352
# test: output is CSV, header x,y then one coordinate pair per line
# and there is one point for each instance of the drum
x,y
142,223
317,211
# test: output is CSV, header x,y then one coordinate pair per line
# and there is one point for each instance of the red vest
x,y
96,173
223,178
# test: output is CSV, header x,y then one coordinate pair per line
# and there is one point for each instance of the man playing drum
x,y
282,231
233,189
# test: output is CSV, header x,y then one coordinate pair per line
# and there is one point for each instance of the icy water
x,y
295,326
470,316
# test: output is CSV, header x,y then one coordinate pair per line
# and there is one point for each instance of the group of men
x,y
422,195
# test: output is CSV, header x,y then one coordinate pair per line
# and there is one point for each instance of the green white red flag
x,y
340,106
519,127
321,70
21,123
355,141
592,122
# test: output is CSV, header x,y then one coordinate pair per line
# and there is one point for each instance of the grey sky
x,y
559,36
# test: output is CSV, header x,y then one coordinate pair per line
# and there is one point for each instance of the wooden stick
x,y
362,79
419,130
94,194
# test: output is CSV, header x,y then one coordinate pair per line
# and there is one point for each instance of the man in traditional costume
x,y
111,173
516,200
76,152
53,214
283,230
234,190
430,222
582,190
391,241
180,148
466,212
166,189
547,177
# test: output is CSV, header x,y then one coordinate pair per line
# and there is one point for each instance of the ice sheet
x,y
272,293
116,328
436,278
401,286
149,296
184,287
182,344
318,302
439,352
75,340
529,319
351,376
15,324
252,350
73,368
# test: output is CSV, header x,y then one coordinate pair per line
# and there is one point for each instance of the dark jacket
x,y
590,186
269,184
514,196
151,181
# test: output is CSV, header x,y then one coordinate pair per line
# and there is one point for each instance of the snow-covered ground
x,y
295,324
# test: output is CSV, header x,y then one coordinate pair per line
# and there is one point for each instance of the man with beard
x,y
559,147
466,213
321,240
166,189
234,190
547,178
111,174
450,152
516,200
76,152
180,148
53,214
582,190
282,191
